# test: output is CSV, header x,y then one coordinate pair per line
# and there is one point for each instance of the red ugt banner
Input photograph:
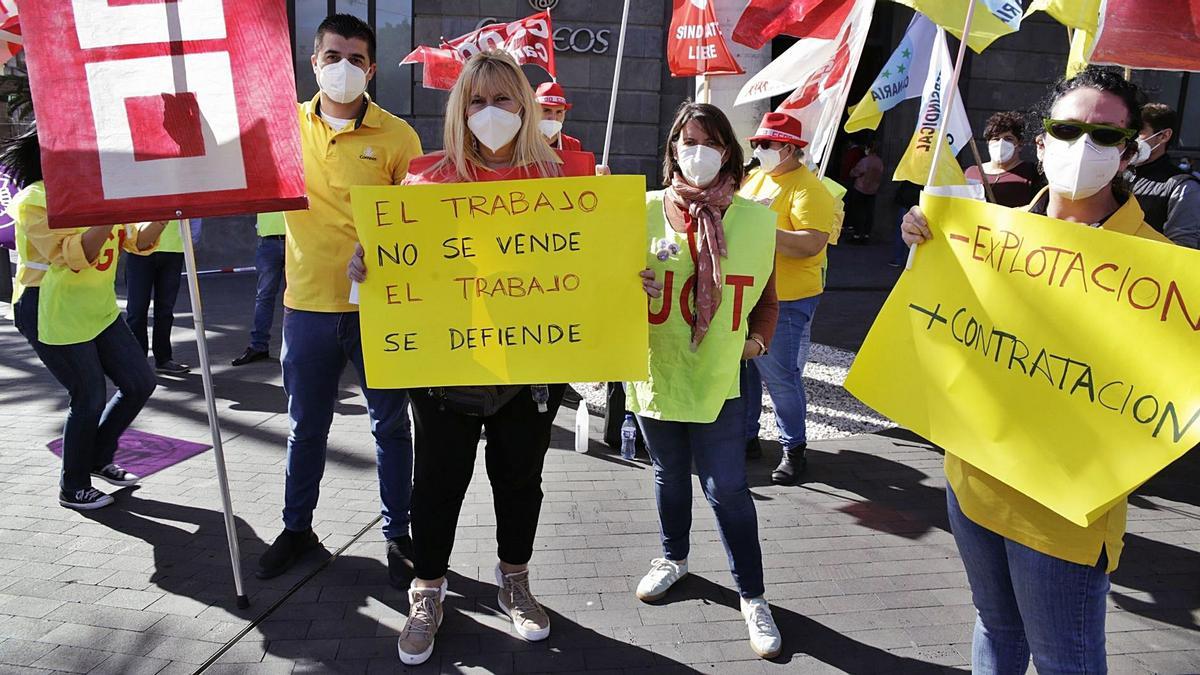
x,y
529,40
1157,34
763,20
148,108
695,44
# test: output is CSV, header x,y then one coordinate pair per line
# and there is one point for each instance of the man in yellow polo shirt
x,y
808,216
347,140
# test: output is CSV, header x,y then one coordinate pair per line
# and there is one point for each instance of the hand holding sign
x,y
506,282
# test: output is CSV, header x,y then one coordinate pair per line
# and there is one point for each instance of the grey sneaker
x,y
528,617
424,617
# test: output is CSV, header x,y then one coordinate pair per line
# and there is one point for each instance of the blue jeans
x,y
316,348
93,426
1028,601
751,387
154,276
718,450
782,369
899,248
268,261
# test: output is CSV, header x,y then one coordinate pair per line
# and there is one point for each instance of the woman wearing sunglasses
x,y
1037,580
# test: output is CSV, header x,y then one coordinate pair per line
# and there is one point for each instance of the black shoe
x,y
753,449
400,564
173,368
87,499
790,467
287,549
250,356
115,475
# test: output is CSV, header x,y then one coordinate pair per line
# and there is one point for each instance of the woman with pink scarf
x,y
710,259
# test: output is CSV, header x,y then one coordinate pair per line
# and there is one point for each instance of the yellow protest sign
x,y
506,282
1058,358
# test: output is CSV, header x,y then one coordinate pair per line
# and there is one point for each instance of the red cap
x,y
549,93
779,127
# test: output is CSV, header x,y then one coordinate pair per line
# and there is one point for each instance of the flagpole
x,y
987,186
189,258
947,108
612,101
844,97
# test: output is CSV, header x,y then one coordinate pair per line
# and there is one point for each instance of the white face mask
x,y
1079,169
342,81
549,128
1001,150
494,127
699,164
769,159
1144,150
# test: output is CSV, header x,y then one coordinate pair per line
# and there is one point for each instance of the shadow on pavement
x,y
804,636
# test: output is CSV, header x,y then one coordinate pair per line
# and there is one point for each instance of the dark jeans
x,y
268,261
316,348
93,427
517,439
860,212
152,276
718,450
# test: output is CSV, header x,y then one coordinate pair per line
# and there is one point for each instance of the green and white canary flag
x,y
902,77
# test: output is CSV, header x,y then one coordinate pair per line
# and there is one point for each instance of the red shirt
x,y
421,172
570,143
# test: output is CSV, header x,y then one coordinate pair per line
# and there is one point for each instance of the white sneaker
x,y
662,576
764,634
415,643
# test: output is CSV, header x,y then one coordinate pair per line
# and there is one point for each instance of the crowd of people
x,y
1032,573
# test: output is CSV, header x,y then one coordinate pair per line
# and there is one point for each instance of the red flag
x,y
695,45
763,20
1156,34
529,41
10,31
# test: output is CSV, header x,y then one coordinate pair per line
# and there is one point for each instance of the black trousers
x,y
444,459
155,276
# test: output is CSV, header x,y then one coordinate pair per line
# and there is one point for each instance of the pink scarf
x,y
706,208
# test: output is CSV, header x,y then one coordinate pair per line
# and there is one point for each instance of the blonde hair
x,y
486,73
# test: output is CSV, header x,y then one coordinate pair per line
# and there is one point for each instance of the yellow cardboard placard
x,y
506,282
1058,358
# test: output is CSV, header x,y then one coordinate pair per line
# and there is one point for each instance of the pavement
x,y
861,569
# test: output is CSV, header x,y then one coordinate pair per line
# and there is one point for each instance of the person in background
x,y
346,139
1040,582
1167,192
860,198
806,217
491,133
852,155
907,195
1014,181
156,275
554,112
268,265
65,305
690,408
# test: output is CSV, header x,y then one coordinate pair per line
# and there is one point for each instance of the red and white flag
x,y
1152,34
10,31
817,72
155,110
695,44
763,20
529,41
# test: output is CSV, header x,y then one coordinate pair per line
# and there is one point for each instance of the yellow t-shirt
x,y
270,224
801,202
997,507
320,240
170,241
28,205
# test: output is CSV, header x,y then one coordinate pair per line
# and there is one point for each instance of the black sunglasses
x,y
1105,135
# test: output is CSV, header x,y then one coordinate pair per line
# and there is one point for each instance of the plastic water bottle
x,y
581,428
628,437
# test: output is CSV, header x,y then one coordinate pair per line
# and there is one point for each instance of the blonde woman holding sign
x,y
1039,581
711,259
491,133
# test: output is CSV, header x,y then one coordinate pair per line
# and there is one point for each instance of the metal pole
x,y
947,110
612,101
189,258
